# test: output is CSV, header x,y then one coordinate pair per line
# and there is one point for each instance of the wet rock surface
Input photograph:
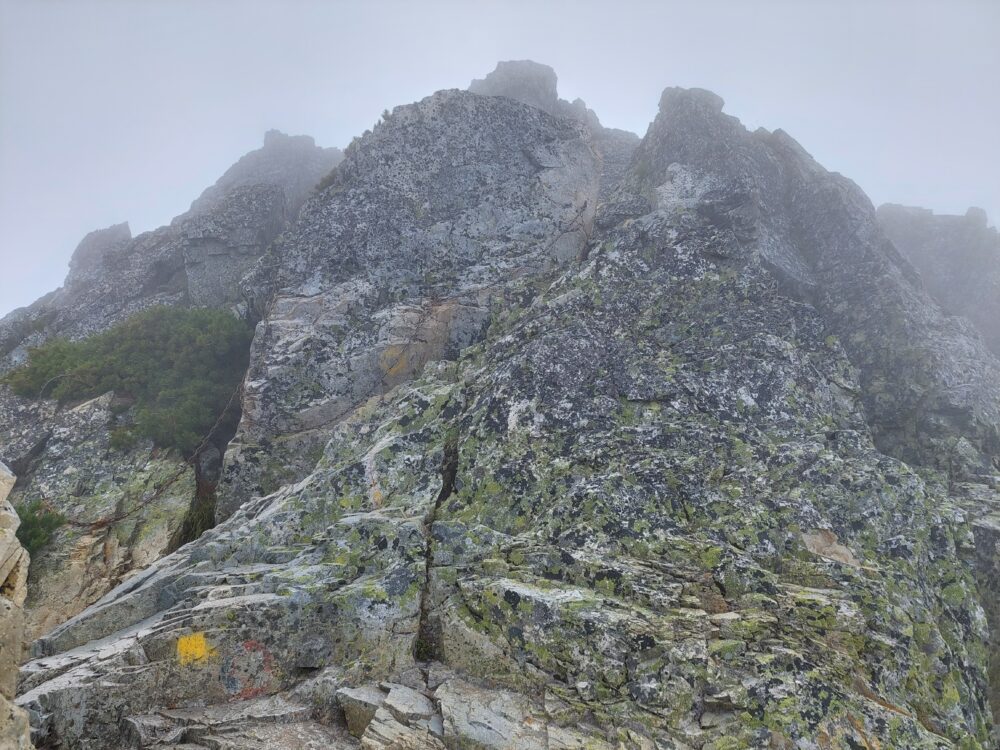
x,y
541,454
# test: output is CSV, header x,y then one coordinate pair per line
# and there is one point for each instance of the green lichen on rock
x,y
622,479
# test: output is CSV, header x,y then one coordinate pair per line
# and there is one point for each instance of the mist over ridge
x,y
569,405
893,95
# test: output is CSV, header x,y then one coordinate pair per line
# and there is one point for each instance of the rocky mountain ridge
x,y
198,259
64,455
554,438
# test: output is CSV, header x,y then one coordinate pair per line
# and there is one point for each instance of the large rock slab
x,y
120,507
261,724
489,720
387,732
359,706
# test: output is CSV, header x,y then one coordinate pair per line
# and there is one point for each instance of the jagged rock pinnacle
x,y
86,260
524,80
534,84
958,258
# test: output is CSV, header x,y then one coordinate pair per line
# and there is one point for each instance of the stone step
x,y
272,722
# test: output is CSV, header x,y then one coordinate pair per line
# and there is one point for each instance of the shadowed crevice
x,y
428,642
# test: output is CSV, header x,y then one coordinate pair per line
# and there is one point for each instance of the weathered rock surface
x,y
397,263
86,266
122,507
535,459
14,730
258,724
958,258
359,706
928,383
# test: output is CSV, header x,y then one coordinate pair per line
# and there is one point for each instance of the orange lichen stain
x,y
394,361
193,648
376,494
859,728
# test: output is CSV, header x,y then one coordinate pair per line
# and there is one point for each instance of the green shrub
x,y
123,438
179,366
38,524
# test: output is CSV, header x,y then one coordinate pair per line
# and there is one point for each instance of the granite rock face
x,y
958,258
541,454
124,506
928,384
397,263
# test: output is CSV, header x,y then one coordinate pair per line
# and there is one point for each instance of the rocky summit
x,y
551,437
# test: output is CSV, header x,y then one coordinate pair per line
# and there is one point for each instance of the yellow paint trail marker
x,y
193,648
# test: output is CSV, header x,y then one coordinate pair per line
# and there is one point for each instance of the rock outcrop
x,y
397,263
819,235
958,258
120,507
87,265
540,454
14,731
535,84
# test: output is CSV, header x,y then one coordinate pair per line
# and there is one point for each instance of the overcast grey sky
x,y
114,110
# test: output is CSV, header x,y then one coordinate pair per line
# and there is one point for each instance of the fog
x,y
120,110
